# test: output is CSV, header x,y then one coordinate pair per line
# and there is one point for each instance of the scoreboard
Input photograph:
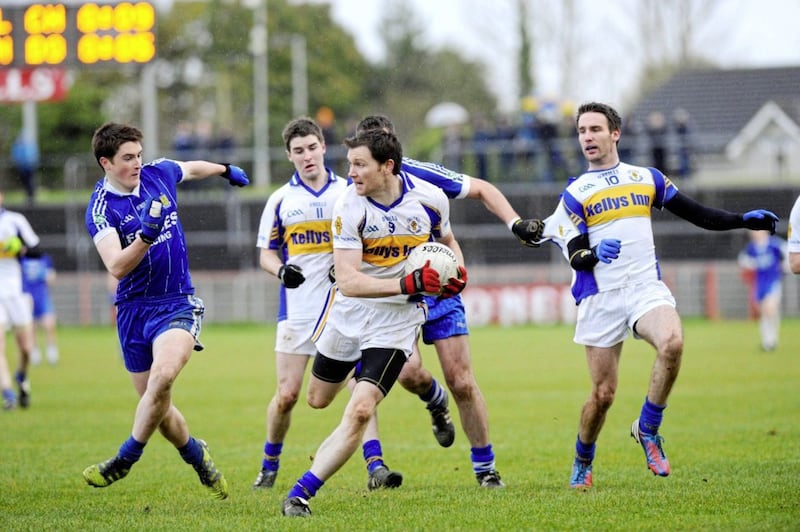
x,y
76,34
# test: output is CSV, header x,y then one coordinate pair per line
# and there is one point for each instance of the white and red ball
x,y
441,257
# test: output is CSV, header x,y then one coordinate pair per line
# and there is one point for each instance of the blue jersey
x,y
453,184
164,270
34,272
766,260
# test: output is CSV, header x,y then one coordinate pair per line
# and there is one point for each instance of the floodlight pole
x,y
258,46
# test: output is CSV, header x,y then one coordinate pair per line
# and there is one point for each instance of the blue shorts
x,y
763,290
446,318
42,304
140,323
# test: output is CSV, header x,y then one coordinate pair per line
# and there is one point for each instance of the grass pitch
x,y
732,434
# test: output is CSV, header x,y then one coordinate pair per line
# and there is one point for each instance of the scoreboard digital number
x,y
64,34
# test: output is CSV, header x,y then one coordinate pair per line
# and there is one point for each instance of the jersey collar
x,y
107,185
296,181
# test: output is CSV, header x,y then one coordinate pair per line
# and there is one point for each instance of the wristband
x,y
512,222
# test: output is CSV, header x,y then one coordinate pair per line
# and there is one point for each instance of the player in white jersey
x,y
446,327
297,247
793,237
603,226
17,237
377,310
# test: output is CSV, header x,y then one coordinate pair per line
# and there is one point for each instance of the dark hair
x,y
301,127
612,116
383,145
110,136
375,122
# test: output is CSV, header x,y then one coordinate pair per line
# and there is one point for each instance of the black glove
x,y
291,276
332,274
760,220
528,231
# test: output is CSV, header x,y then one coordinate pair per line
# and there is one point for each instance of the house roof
x,y
721,103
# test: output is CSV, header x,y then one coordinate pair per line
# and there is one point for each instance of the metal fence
x,y
712,290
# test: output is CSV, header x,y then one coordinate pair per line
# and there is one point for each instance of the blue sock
x,y
131,450
650,417
20,376
373,454
9,395
272,454
306,486
482,459
435,396
192,452
585,451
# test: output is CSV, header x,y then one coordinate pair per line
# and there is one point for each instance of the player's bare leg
x,y
770,321
418,380
343,442
661,327
290,370
454,357
603,363
456,362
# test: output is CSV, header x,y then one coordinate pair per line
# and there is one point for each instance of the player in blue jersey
x,y
17,239
603,226
446,327
764,260
377,310
132,217
296,245
38,273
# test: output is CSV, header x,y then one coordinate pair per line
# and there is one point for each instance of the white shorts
x,y
352,326
294,337
15,309
605,318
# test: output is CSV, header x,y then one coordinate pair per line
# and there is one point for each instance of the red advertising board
x,y
41,84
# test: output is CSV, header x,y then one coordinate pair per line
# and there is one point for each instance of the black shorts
x,y
379,366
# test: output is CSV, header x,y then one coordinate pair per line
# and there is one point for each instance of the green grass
x,y
732,435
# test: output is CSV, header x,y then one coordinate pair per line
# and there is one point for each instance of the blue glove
x,y
607,250
235,176
760,220
152,220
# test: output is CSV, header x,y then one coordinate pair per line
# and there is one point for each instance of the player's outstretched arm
x,y
718,219
193,170
529,231
494,200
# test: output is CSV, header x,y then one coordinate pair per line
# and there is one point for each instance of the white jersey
x,y
387,234
297,222
794,228
614,203
13,224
